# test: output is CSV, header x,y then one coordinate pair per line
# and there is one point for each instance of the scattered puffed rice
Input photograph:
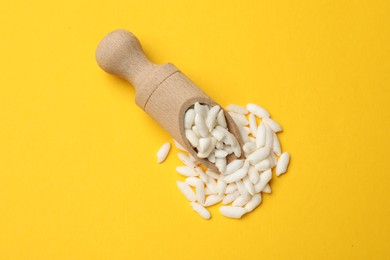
x,y
179,146
239,183
212,200
186,190
257,110
282,163
163,152
232,212
237,109
253,203
202,211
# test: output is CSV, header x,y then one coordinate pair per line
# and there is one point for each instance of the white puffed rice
x,y
282,163
239,183
237,109
232,212
163,152
202,211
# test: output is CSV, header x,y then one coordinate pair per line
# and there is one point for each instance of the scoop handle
x,y
120,53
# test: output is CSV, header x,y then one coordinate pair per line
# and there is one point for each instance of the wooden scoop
x,y
162,91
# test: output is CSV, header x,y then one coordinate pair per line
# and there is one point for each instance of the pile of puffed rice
x,y
238,184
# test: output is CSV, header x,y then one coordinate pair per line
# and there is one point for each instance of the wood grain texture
x,y
162,91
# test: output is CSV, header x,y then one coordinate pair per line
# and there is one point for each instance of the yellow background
x,y
78,172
